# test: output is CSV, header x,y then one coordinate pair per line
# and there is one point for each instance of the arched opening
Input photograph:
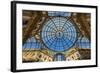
x,y
59,57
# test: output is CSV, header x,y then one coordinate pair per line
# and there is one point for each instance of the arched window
x,y
59,57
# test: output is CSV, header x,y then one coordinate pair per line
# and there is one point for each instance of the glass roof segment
x,y
83,43
59,34
31,43
57,13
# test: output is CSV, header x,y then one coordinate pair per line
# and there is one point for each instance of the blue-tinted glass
x,y
57,13
31,43
84,43
59,57
59,34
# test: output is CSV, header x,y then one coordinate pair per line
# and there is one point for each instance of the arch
x,y
59,57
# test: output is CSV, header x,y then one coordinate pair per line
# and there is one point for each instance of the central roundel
x,y
58,34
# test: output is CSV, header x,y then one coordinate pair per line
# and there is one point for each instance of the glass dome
x,y
59,34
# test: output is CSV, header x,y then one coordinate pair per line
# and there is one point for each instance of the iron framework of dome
x,y
59,34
